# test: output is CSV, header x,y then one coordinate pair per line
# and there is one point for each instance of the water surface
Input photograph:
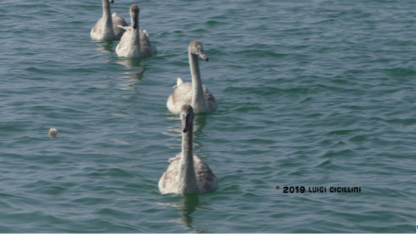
x,y
310,93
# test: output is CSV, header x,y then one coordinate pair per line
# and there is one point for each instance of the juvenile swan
x,y
135,42
194,94
106,29
187,174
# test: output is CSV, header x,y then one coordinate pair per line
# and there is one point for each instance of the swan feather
x,y
206,181
182,94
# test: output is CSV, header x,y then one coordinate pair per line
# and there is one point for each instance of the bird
x,y
187,174
195,93
107,28
135,42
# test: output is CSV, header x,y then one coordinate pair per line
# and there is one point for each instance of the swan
x,y
194,94
107,28
135,42
187,174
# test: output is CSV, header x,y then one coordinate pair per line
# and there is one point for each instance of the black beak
x,y
184,127
184,124
135,24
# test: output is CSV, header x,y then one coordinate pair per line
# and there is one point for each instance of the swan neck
x,y
135,31
187,176
187,142
198,99
106,10
107,18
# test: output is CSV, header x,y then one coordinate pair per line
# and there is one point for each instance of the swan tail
x,y
174,158
145,32
179,81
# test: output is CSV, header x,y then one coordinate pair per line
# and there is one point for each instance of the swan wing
x,y
125,28
168,182
118,20
97,30
179,81
206,181
146,46
210,99
181,95
122,48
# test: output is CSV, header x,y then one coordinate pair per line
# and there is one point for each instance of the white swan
x,y
135,42
106,29
194,94
187,174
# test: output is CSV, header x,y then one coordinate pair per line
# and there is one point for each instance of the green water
x,y
310,93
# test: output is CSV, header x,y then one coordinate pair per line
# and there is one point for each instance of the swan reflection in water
x,y
187,205
136,66
105,47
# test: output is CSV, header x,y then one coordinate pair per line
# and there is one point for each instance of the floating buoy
x,y
53,132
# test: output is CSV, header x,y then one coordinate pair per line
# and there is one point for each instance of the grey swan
x,y
187,174
135,42
107,28
195,93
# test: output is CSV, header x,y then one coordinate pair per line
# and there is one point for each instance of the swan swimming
x,y
187,174
135,42
194,94
107,28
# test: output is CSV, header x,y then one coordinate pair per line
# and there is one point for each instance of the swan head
x,y
186,116
134,11
106,3
196,47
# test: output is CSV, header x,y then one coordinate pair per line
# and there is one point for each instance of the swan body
x,y
195,93
146,46
106,29
187,174
118,21
135,42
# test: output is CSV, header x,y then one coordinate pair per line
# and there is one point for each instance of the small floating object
x,y
53,132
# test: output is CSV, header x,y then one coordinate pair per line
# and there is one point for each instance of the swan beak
x,y
203,55
183,125
134,23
